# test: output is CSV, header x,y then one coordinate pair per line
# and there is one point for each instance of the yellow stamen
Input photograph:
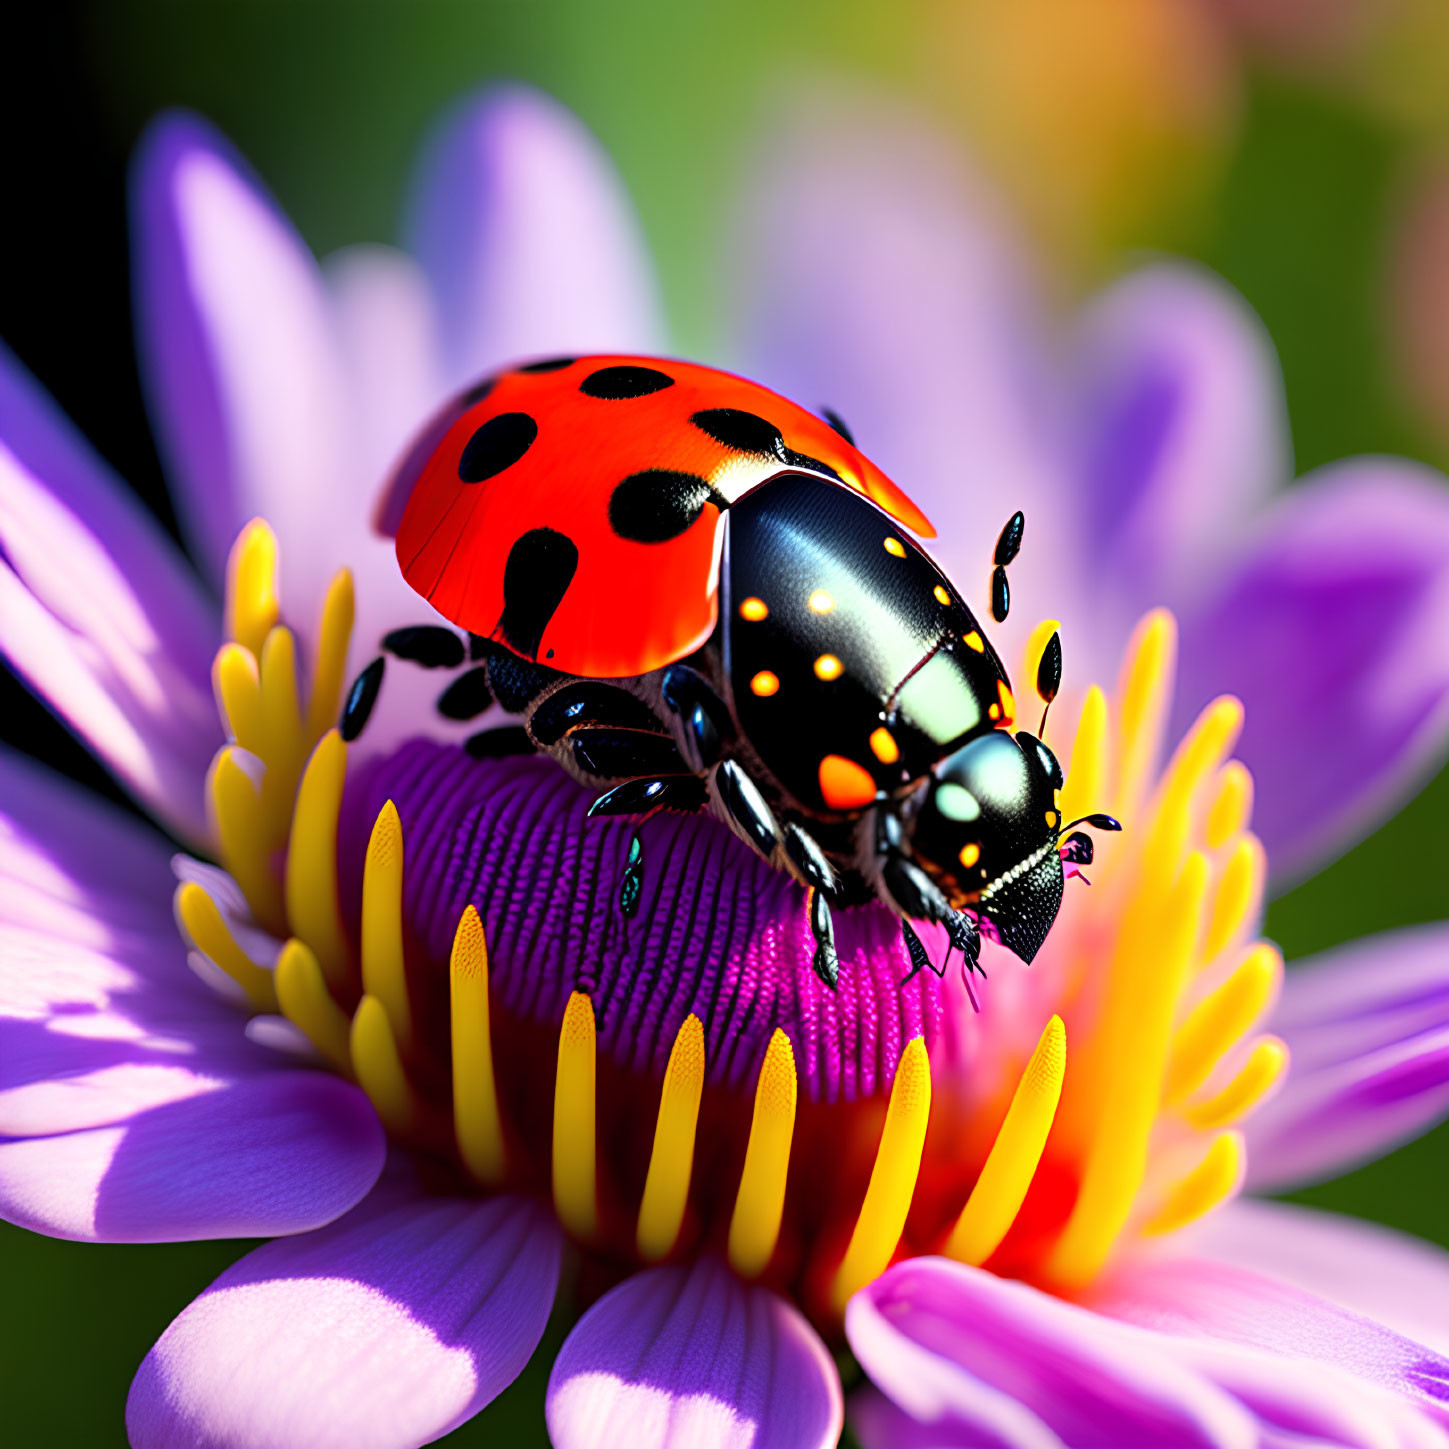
x,y
574,1195
1146,977
1221,1020
384,974
1010,1166
1086,787
476,1123
251,586
1233,805
379,1069
1236,898
1202,749
305,1000
1215,1177
755,1226
283,747
330,668
1266,1063
1145,694
666,1188
209,933
237,684
893,1178
312,904
242,841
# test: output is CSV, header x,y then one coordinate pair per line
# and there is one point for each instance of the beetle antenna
x,y
1048,677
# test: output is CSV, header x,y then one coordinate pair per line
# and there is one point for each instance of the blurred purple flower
x,y
133,1107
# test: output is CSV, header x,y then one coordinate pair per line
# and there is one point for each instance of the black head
x,y
987,832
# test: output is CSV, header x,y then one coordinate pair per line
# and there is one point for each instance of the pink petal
x,y
278,1152
986,1361
1198,1299
1186,430
1398,1280
1330,630
383,1331
691,1358
240,352
1368,1028
528,236
101,616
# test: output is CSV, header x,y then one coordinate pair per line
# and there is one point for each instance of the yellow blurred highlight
x,y
1232,806
329,669
1220,1021
1216,1177
1237,896
1266,1063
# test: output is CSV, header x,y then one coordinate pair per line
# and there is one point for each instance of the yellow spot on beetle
x,y
884,747
994,711
754,610
844,784
828,667
896,547
1051,819
942,597
970,854
1008,702
821,602
974,641
765,683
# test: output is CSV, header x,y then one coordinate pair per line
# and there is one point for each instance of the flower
x,y
419,1050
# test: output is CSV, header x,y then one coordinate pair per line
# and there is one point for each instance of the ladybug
x,y
700,596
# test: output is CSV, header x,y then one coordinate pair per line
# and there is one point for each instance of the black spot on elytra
x,y
750,433
744,431
624,381
497,445
360,700
541,566
659,504
549,364
838,423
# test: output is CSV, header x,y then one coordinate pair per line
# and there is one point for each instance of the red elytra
x,y
567,435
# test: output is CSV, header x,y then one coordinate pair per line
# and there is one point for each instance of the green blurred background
x,y
1299,147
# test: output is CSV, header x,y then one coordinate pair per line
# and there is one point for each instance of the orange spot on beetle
x,y
821,602
974,641
942,597
884,747
828,667
754,610
1051,819
895,546
844,784
994,711
970,854
765,683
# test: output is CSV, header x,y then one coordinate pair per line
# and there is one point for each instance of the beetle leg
x,y
916,950
631,885
610,754
825,962
685,793
357,707
917,897
703,716
752,818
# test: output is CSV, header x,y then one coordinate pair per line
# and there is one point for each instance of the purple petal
x,y
241,358
987,1361
689,1358
1397,1280
102,616
73,865
276,1152
1198,1299
1186,429
879,280
525,230
1368,1028
1331,632
385,1330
